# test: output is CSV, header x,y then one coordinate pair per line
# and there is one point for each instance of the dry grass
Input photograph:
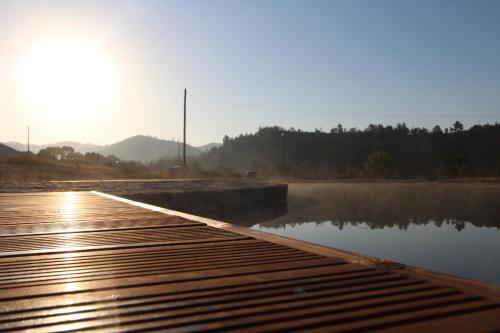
x,y
33,169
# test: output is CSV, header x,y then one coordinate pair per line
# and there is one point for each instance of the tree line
x,y
68,154
376,152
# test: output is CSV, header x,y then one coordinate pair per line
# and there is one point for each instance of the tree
x,y
401,128
497,167
51,153
47,154
56,153
456,166
377,164
337,130
66,152
418,131
413,153
457,127
340,129
437,130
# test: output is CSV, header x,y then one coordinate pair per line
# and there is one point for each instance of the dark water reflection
x,y
452,228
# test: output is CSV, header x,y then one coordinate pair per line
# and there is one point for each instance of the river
x,y
447,227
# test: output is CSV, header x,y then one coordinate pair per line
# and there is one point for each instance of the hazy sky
x,y
306,64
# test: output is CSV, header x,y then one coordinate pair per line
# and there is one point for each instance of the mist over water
x,y
448,227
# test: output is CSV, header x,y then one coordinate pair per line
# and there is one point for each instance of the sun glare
x,y
68,80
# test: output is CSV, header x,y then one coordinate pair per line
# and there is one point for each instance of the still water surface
x,y
451,228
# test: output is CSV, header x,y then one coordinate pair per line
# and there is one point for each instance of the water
x,y
447,227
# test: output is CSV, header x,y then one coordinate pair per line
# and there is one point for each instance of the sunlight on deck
x,y
130,268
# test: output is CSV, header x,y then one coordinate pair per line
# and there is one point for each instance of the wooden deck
x,y
86,261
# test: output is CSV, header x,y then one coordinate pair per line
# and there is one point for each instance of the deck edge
x,y
467,285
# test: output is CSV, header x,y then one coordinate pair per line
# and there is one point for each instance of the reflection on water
x,y
452,228
244,216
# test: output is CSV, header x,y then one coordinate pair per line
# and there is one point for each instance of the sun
x,y
70,80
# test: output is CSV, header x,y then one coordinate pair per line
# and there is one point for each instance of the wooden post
x,y
184,147
28,139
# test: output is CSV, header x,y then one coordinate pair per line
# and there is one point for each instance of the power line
x,y
273,108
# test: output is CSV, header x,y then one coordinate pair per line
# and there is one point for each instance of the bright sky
x,y
100,71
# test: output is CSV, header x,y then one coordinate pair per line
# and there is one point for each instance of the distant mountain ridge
x,y
6,152
79,147
136,148
209,146
147,148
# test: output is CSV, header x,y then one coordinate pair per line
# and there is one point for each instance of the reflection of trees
x,y
392,205
458,225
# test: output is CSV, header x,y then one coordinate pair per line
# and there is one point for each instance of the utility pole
x,y
178,141
283,150
28,139
184,147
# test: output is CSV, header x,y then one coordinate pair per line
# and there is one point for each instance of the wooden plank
x,y
85,261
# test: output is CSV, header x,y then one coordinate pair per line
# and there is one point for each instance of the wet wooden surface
x,y
82,261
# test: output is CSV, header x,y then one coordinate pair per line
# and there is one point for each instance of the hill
x,y
146,148
78,147
6,152
209,146
22,146
136,148
377,151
